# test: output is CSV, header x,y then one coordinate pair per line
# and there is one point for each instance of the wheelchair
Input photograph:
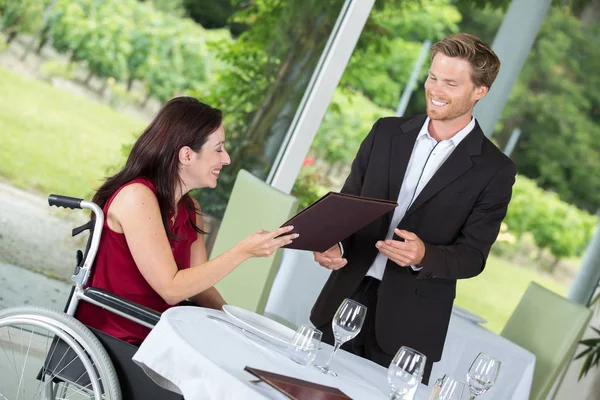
x,y
49,355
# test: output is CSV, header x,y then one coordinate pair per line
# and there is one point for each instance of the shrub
x,y
562,228
310,185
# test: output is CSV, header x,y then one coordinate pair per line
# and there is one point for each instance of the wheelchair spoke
x,y
56,374
13,366
42,385
52,356
25,360
79,390
44,374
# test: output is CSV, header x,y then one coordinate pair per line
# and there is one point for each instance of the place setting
x,y
300,346
404,374
256,326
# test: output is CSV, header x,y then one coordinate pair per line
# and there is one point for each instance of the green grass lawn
x,y
53,141
495,293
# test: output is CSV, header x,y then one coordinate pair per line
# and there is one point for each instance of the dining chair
x,y
253,205
549,326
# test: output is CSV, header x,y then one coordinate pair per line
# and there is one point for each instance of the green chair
x,y
253,205
549,326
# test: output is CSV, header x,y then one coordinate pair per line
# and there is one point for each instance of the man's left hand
x,y
409,252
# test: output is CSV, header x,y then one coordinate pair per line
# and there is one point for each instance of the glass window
x,y
80,79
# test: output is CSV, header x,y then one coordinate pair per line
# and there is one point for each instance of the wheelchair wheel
x,y
46,354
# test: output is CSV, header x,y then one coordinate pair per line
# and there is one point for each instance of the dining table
x,y
300,278
202,353
204,358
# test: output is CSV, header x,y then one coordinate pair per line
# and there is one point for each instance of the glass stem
x,y
336,346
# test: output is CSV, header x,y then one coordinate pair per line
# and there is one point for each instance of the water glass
x,y
405,373
451,389
304,345
346,324
482,374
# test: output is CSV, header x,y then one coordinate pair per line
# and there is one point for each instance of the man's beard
x,y
450,111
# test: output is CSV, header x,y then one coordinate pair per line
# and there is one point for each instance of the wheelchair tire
x,y
55,322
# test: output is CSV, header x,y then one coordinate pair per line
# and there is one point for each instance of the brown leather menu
x,y
333,218
298,389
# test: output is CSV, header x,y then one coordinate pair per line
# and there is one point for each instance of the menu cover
x,y
333,218
298,389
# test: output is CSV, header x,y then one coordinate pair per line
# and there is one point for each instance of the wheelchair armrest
x,y
122,305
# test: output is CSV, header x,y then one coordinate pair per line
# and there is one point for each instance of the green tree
x,y
377,71
270,64
216,14
560,227
128,40
22,16
171,7
267,70
388,47
551,102
558,112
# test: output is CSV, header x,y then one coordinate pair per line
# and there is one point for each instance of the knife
x,y
229,323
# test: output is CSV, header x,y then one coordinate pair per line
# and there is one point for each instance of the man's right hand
x,y
331,259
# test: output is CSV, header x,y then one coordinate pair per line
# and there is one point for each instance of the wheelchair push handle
x,y
64,201
95,224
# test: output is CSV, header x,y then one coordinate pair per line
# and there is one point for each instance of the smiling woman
x,y
152,249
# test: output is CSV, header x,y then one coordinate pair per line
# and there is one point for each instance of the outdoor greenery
x,y
591,350
153,43
554,101
496,292
561,228
267,70
120,39
57,142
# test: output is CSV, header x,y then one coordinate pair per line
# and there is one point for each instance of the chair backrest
x,y
253,205
549,326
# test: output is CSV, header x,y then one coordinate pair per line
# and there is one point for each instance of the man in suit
x,y
453,186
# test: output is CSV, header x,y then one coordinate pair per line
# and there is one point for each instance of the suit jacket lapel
x,y
457,164
400,152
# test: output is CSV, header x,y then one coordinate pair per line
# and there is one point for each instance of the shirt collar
x,y
456,139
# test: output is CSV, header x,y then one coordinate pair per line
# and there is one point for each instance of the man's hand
x,y
331,259
409,252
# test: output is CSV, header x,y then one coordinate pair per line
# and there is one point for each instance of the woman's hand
x,y
264,243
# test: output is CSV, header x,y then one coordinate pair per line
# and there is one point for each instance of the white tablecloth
x,y
466,339
300,278
204,359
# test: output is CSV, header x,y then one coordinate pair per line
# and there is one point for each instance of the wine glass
x,y
482,374
405,373
451,389
346,324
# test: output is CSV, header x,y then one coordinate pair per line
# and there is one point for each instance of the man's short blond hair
x,y
484,62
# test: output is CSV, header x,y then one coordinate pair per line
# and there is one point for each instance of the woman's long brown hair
x,y
183,121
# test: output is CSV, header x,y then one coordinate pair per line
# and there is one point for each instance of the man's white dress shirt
x,y
427,156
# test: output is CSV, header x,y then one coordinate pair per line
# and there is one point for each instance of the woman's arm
x,y
135,213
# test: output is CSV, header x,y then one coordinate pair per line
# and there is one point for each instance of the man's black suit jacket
x,y
457,215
